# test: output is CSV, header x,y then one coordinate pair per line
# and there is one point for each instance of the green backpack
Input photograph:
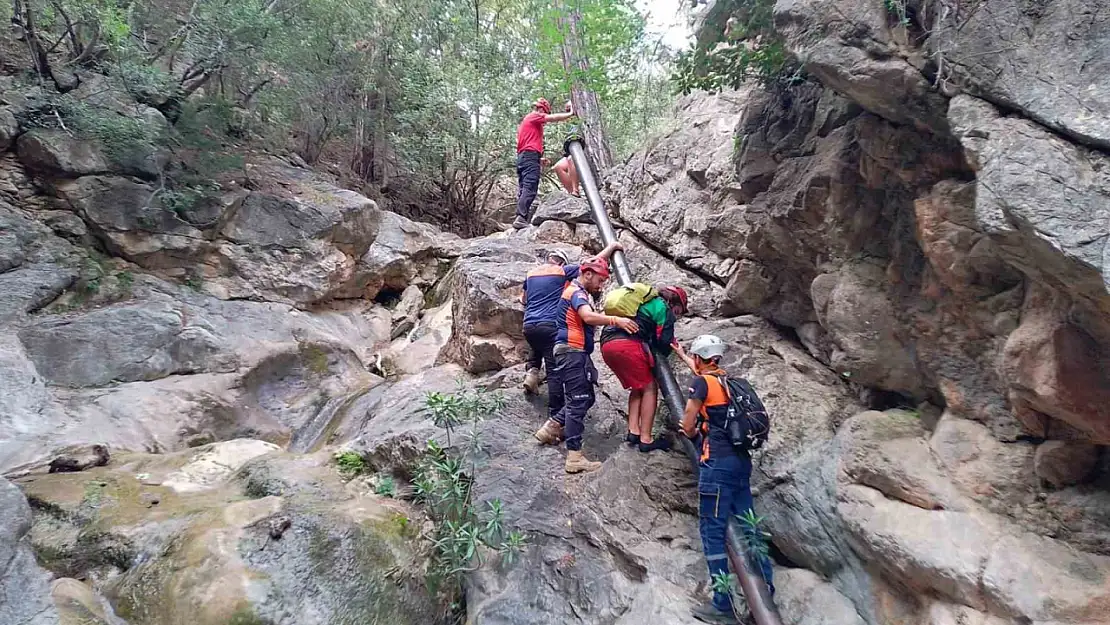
x,y
624,301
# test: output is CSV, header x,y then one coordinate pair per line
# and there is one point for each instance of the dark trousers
x,y
541,338
577,375
724,492
528,183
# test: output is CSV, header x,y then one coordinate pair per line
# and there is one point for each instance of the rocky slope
x,y
905,252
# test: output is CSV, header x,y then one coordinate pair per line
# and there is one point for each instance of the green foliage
x,y
744,47
386,486
723,583
350,463
442,482
756,538
194,282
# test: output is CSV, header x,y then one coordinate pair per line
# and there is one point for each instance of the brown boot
x,y
550,433
577,463
532,381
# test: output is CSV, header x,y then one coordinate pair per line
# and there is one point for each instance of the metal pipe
x,y
750,577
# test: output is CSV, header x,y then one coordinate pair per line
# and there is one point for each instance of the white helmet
x,y
560,255
708,347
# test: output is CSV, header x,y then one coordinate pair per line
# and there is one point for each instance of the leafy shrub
x,y
442,482
744,47
350,463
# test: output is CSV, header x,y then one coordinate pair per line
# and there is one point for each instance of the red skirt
x,y
630,360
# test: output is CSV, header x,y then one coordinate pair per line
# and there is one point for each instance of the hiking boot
x,y
520,224
550,433
660,444
708,613
577,463
532,381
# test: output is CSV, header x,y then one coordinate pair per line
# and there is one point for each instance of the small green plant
x,y
350,463
386,486
723,583
758,540
195,283
126,280
450,410
897,8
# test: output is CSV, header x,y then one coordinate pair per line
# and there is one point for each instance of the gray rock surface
x,y
1048,61
24,587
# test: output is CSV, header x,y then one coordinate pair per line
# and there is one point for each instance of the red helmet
x,y
543,104
600,266
680,294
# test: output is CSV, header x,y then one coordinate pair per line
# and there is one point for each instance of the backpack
x,y
747,422
624,301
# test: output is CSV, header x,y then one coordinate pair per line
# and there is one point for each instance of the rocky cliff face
x,y
905,253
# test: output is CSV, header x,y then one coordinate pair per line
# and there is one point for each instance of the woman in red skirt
x,y
630,357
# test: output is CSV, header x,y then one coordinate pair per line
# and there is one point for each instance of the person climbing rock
x,y
573,367
630,355
529,154
543,287
564,167
724,479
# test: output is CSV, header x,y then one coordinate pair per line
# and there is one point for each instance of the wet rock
x,y
77,604
24,587
80,458
1063,463
362,566
215,463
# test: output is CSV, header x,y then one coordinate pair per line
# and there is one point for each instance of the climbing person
x,y
529,154
543,287
564,167
573,367
630,355
725,467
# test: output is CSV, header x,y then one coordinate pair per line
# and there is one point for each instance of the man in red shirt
x,y
529,153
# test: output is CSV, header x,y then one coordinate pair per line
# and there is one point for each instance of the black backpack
x,y
747,422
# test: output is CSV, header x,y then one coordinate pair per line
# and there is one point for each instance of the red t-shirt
x,y
529,137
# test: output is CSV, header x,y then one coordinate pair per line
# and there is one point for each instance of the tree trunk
x,y
576,64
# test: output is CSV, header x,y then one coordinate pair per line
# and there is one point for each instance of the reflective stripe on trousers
x,y
724,491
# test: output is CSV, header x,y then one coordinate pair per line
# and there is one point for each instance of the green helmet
x,y
708,347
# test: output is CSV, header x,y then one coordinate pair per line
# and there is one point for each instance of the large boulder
x,y
405,252
1047,61
851,47
1048,220
232,532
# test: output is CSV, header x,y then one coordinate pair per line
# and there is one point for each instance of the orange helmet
x,y
600,266
544,105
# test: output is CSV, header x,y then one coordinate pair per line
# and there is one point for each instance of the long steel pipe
x,y
743,565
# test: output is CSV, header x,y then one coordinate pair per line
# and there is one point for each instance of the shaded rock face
x,y
185,538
